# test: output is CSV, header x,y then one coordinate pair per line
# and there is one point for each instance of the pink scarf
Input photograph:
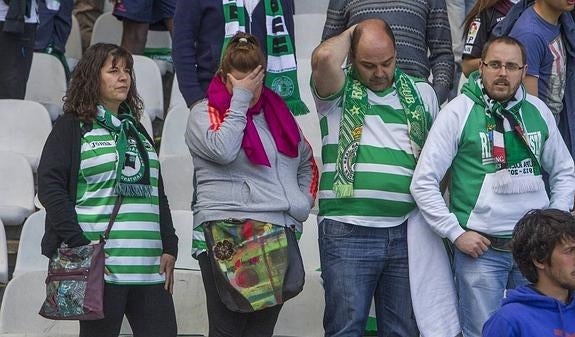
x,y
281,123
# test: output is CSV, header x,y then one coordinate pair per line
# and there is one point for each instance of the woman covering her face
x,y
252,166
97,152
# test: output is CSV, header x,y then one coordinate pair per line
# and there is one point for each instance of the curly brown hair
x,y
83,93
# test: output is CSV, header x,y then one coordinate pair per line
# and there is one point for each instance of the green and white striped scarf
x,y
281,74
355,104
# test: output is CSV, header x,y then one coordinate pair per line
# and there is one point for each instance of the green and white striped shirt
x,y
385,161
134,247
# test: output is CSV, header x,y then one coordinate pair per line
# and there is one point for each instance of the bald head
x,y
372,32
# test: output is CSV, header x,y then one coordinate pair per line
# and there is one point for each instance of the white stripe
x,y
121,226
282,63
391,100
133,260
107,192
135,278
232,28
371,194
380,134
269,26
125,209
98,131
374,168
99,160
133,243
369,221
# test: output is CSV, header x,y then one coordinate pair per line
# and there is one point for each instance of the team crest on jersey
x,y
133,169
347,162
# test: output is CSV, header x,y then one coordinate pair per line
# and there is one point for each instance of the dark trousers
x,y
55,26
16,51
149,309
226,323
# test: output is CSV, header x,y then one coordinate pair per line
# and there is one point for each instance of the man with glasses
x,y
496,139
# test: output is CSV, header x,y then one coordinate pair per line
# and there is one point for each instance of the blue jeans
x,y
359,264
481,285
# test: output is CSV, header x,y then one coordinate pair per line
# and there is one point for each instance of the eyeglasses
x,y
510,66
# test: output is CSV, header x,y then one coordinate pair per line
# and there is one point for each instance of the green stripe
x,y
150,252
99,169
323,126
388,114
364,207
123,234
110,201
150,217
119,269
371,181
198,244
88,154
372,155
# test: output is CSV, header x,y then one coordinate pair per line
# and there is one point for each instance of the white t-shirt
x,y
250,5
33,18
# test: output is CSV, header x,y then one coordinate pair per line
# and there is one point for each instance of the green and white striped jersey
x,y
385,161
134,247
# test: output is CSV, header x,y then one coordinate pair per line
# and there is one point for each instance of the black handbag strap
x,y
112,218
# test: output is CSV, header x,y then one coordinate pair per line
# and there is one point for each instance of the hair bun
x,y
243,40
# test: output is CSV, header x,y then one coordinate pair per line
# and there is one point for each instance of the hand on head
x,y
253,81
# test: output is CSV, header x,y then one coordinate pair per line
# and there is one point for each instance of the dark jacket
x,y
57,184
199,37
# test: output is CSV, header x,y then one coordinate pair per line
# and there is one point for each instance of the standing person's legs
x,y
150,311
393,304
226,323
480,284
351,264
115,298
62,25
86,12
136,16
164,12
456,10
16,61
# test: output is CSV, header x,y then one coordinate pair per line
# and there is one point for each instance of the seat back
x,y
173,141
178,175
47,83
24,127
29,257
184,224
3,255
16,189
149,85
21,302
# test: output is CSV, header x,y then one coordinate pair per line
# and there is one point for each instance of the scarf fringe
x,y
134,190
343,190
297,107
505,184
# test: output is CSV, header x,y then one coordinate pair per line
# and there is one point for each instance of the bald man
x,y
374,120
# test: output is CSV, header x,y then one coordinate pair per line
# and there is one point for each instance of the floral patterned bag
x,y
75,281
255,264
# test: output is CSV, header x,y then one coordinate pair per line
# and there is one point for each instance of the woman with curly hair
x,y
97,152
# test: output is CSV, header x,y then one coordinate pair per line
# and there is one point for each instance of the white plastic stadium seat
x,y
149,85
22,300
177,173
24,127
3,255
74,44
176,98
29,257
108,29
173,141
16,189
147,124
184,223
47,83
308,31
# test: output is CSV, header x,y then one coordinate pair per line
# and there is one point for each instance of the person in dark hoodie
x,y
544,249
